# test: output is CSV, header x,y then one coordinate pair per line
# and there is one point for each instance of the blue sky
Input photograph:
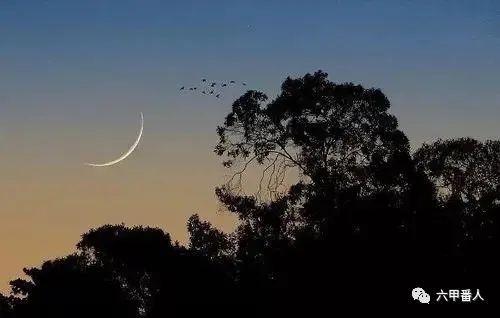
x,y
76,58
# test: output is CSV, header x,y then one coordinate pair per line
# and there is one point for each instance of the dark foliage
x,y
70,287
5,307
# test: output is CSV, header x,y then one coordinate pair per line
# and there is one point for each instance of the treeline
x,y
365,222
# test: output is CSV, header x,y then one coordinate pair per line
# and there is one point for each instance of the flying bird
x,y
244,84
224,85
203,80
218,95
182,88
212,84
211,92
232,82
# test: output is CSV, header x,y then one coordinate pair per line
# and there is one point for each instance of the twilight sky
x,y
75,75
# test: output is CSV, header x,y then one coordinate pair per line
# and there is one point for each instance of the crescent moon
x,y
124,155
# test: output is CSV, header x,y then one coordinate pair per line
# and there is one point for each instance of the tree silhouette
x,y
364,221
207,240
159,275
467,174
322,128
70,287
356,190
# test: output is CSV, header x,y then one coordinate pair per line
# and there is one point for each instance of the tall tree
x,y
339,136
357,179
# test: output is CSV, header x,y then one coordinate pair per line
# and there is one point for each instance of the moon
x,y
125,154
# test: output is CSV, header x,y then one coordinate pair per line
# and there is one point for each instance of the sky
x,y
75,75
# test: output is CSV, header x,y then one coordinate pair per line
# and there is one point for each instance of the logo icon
x,y
420,295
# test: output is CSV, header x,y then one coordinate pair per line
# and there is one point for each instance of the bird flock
x,y
211,88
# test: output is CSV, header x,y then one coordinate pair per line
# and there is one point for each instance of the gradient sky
x,y
74,76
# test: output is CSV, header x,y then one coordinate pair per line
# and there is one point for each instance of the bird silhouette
x,y
218,95
212,84
203,80
182,88
224,85
211,92
244,84
232,82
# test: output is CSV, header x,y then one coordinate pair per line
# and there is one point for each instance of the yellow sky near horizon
x,y
49,197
